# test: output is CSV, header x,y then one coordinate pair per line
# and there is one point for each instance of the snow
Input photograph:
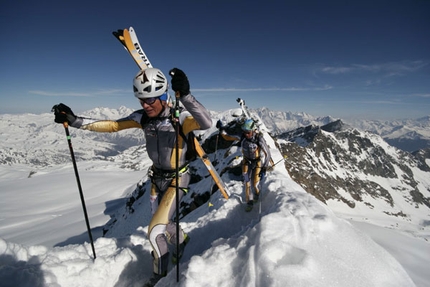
x,y
414,260
289,238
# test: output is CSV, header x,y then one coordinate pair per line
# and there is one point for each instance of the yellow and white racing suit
x,y
161,148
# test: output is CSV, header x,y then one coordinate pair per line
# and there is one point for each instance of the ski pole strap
x,y
156,173
184,189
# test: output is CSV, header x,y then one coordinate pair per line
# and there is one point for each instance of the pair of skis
x,y
247,113
129,40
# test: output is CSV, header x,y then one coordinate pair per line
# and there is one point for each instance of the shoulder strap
x,y
258,137
254,139
144,119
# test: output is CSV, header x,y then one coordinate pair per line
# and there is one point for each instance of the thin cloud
x,y
388,69
76,94
382,102
337,70
292,89
213,90
420,95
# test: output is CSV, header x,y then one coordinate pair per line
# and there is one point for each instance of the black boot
x,y
161,265
177,257
249,206
154,279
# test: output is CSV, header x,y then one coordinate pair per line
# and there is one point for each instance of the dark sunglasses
x,y
148,101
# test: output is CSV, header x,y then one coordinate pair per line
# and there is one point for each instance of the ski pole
x,y
215,162
273,166
177,182
262,176
66,127
176,117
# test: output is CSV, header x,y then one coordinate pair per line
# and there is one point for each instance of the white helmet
x,y
149,83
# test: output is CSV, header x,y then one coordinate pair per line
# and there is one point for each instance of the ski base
x,y
212,171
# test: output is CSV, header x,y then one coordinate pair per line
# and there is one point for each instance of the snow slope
x,y
292,239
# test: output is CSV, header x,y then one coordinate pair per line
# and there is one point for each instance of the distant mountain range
x,y
409,135
43,147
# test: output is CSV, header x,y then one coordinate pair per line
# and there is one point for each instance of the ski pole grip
x,y
65,124
172,73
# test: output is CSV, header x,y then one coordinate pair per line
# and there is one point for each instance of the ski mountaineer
x,y
253,167
151,88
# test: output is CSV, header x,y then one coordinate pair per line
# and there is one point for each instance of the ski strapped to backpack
x,y
128,38
247,113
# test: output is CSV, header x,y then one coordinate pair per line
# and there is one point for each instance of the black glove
x,y
262,172
219,125
63,114
180,82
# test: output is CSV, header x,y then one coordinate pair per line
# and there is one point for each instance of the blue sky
x,y
365,59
